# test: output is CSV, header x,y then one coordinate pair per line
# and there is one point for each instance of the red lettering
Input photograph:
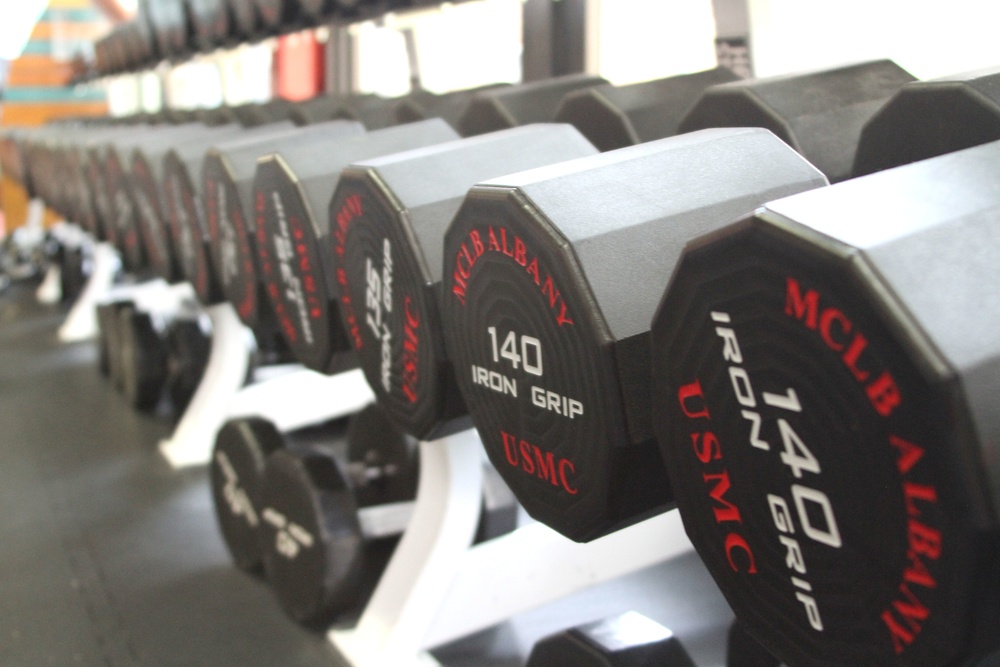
x,y
509,447
901,637
799,307
736,542
708,449
924,540
909,453
913,492
917,572
858,345
690,391
503,239
829,316
726,511
562,319
520,252
532,268
550,289
477,243
493,245
565,464
884,394
527,464
546,465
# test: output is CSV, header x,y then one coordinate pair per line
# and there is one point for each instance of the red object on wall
x,y
298,66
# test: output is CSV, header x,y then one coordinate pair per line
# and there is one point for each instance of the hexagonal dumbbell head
x,y
181,183
820,114
388,218
510,106
825,375
227,174
930,118
551,277
626,640
618,116
292,191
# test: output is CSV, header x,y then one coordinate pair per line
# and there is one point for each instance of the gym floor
x,y
108,556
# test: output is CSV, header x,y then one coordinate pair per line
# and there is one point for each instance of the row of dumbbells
x,y
811,390
177,29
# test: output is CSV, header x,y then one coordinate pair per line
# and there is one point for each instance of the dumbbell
x,y
551,277
626,640
292,192
824,374
930,118
227,173
169,21
146,168
509,106
212,22
423,104
820,114
328,528
135,240
387,219
180,187
617,116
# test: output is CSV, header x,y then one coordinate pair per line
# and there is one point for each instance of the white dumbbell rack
x,y
291,399
439,586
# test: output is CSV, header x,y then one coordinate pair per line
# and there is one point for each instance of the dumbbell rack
x,y
439,587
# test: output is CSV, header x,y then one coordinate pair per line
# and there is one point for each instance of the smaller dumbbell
x,y
328,528
626,640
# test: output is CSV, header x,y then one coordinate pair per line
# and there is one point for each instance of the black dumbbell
x,y
170,25
388,217
617,116
292,192
423,104
211,21
820,114
626,640
509,106
824,374
142,356
930,118
329,527
550,280
742,650
180,167
160,354
227,173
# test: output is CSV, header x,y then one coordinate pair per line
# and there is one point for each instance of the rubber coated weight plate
x,y
820,114
291,193
314,551
824,378
375,444
238,458
227,187
617,116
510,106
626,640
930,118
183,208
143,356
189,347
550,280
388,217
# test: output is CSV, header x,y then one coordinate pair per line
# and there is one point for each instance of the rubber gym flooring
x,y
109,557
